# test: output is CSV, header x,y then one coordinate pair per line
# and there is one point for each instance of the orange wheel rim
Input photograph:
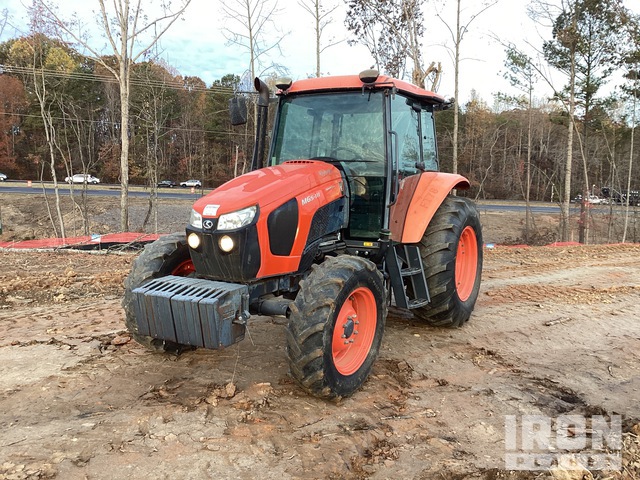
x,y
466,263
185,269
354,331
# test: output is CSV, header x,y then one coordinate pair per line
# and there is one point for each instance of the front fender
x,y
418,199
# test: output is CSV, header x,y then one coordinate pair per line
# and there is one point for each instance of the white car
x,y
596,200
3,177
82,178
592,199
191,183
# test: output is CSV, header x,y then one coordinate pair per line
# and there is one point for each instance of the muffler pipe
x,y
261,123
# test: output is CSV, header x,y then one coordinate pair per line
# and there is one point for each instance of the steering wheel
x,y
340,164
355,155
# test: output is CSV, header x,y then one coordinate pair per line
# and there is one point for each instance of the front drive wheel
x,y
451,251
168,255
336,326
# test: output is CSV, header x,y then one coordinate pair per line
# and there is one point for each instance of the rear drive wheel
x,y
451,251
169,255
336,326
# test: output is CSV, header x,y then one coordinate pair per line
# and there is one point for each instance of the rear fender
x,y
418,199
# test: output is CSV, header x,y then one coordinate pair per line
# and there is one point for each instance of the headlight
x,y
226,243
193,240
235,220
195,220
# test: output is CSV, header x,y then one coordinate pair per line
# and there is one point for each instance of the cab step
x,y
406,270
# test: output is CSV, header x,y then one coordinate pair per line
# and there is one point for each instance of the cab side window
x,y
405,122
429,150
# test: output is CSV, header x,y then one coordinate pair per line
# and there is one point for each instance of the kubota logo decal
x,y
310,198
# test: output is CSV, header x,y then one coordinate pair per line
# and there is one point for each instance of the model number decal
x,y
310,198
210,210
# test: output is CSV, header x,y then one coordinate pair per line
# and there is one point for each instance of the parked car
x,y
596,200
191,183
82,178
3,177
592,199
166,184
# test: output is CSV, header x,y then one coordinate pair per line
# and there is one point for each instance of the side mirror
x,y
238,110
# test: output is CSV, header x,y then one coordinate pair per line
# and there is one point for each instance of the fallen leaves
x,y
221,392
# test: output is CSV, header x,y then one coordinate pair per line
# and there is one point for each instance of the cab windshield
x,y
344,127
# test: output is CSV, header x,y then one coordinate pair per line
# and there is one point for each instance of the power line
x,y
174,84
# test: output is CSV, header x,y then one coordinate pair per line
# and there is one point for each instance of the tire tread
x,y
309,314
438,251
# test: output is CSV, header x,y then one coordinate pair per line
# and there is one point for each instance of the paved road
x,y
182,193
544,207
535,208
105,190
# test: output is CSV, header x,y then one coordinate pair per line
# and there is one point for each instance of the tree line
x,y
179,126
62,111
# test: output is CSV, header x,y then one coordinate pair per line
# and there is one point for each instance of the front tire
x,y
336,326
451,251
168,255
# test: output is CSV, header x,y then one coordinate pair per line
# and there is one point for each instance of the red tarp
x,y
88,241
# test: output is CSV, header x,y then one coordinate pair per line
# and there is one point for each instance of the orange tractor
x,y
349,215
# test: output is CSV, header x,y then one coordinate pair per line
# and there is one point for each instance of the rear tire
x,y
336,326
169,255
451,251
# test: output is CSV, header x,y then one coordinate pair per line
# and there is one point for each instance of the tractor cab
x,y
371,128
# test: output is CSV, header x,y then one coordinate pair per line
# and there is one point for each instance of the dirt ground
x,y
555,332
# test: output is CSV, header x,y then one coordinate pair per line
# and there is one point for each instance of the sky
x,y
197,46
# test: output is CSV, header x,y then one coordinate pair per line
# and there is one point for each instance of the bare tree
x,y
457,35
564,27
321,18
45,102
252,24
131,34
251,27
153,107
522,74
632,62
392,32
83,133
36,54
584,47
627,198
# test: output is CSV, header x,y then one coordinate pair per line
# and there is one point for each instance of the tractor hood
x,y
268,187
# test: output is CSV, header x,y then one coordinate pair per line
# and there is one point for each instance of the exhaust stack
x,y
261,123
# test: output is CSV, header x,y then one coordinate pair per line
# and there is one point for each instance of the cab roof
x,y
353,82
